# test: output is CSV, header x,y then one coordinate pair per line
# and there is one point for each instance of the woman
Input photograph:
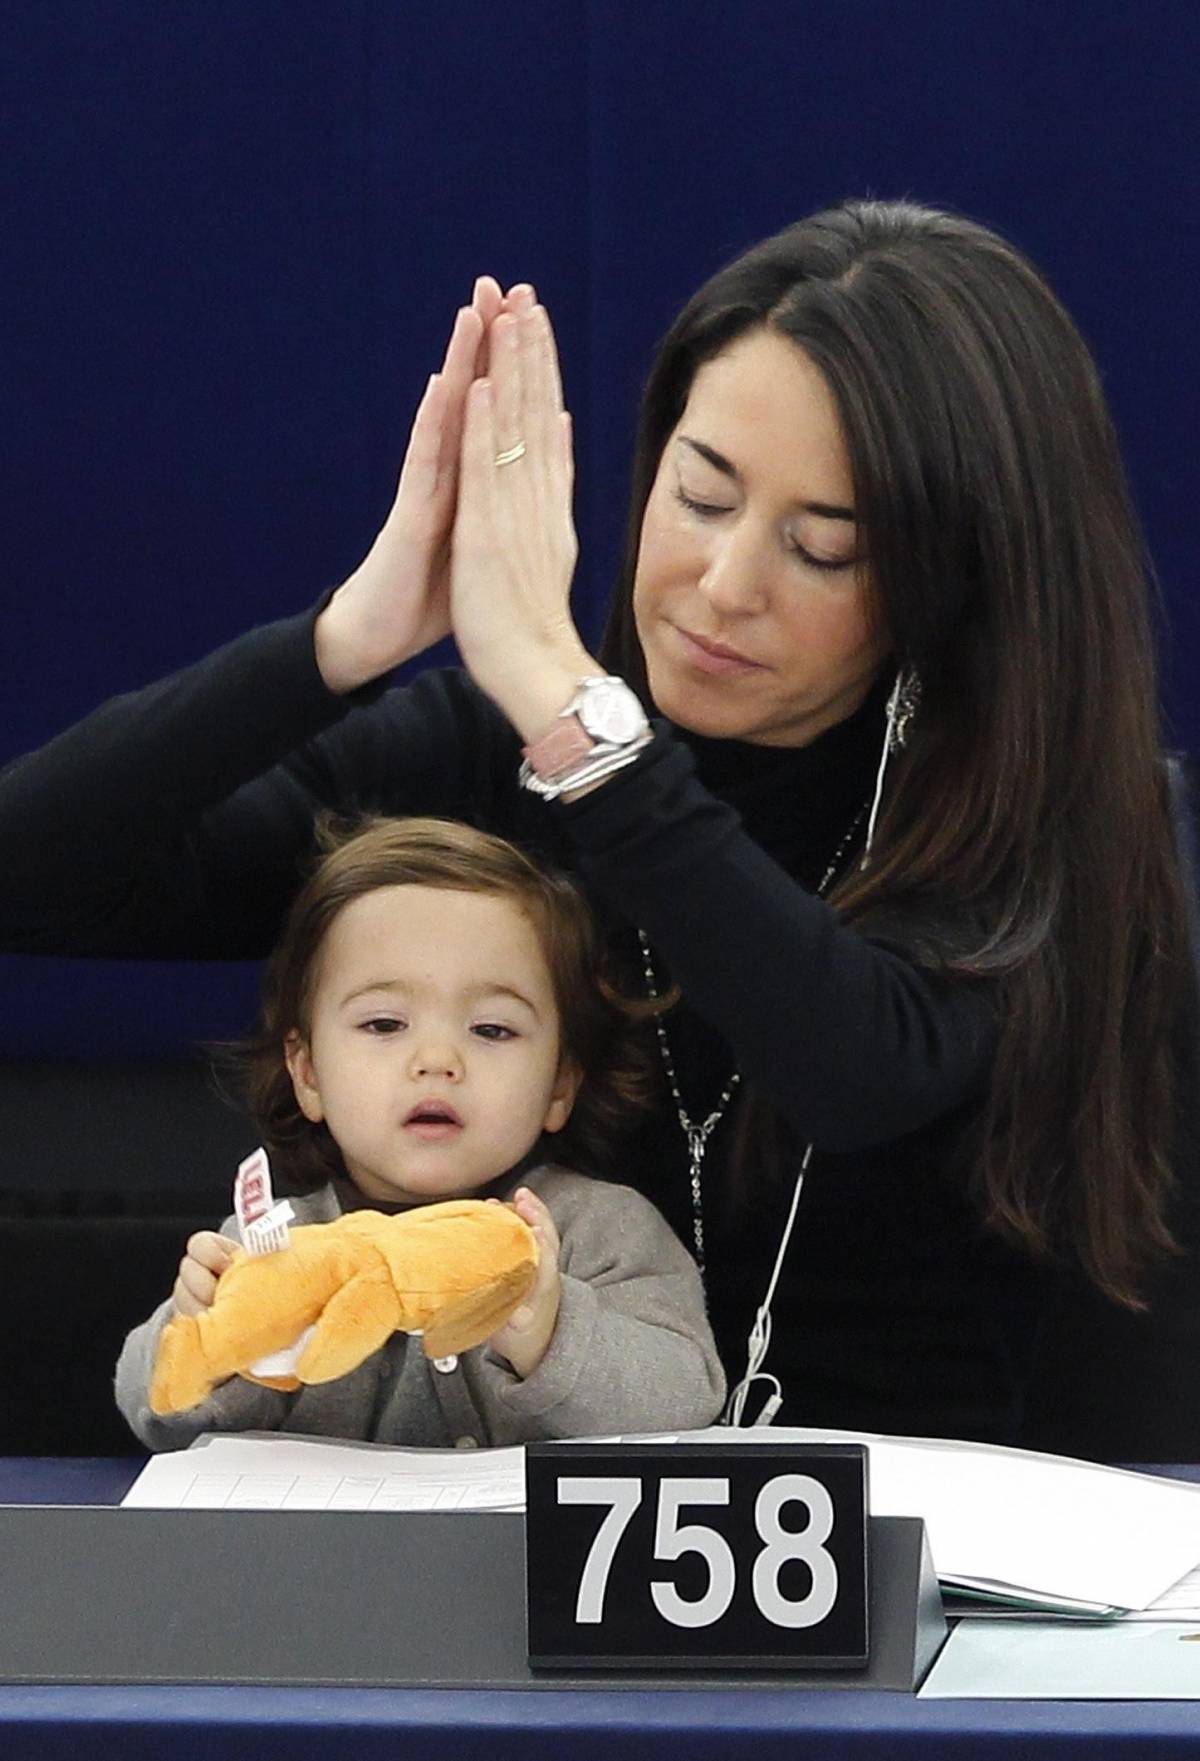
x,y
900,835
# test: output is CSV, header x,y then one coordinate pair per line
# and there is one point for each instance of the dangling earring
x,y
902,707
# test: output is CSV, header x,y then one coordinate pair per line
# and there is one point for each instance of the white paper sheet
x,y
1180,1602
255,1471
1035,1523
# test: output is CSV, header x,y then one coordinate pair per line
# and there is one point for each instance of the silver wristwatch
x,y
602,729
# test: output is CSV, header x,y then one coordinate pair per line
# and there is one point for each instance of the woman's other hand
x,y
397,602
514,546
206,1256
527,1333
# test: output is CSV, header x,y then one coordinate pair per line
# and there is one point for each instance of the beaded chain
x,y
698,1134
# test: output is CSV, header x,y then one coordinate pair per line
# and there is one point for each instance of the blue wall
x,y
236,232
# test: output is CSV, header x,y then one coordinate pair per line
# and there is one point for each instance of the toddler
x,y
434,1019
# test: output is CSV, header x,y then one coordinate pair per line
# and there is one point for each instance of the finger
x,y
521,298
420,469
464,339
543,405
477,462
534,1212
210,1250
529,1206
491,303
543,1298
550,355
547,1239
419,472
568,450
457,376
534,416
197,1282
200,1279
487,299
183,1300
506,376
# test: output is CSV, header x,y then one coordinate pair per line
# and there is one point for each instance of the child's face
x,y
434,1057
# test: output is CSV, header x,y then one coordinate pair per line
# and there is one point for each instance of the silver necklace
x,y
698,1133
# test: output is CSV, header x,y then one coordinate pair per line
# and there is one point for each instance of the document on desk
x,y
275,1471
1060,1660
1042,1532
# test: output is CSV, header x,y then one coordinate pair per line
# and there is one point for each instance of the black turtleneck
x,y
893,1310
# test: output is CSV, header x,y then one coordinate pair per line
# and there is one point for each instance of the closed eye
x,y
706,509
709,510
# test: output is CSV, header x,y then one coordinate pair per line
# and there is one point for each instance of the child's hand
x,y
207,1256
524,1337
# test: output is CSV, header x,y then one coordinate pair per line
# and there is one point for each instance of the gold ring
x,y
511,454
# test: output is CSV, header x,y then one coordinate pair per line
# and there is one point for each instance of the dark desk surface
x,y
311,1724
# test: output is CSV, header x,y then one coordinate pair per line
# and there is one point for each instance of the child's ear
x,y
562,1096
304,1077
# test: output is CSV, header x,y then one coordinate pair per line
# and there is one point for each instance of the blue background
x,y
236,232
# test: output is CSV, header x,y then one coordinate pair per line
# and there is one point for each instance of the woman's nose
x,y
734,578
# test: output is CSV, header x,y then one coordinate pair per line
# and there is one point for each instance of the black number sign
x,y
659,1554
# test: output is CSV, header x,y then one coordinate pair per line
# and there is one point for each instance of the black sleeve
x,y
854,1041
174,822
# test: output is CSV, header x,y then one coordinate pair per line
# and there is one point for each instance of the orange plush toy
x,y
453,1272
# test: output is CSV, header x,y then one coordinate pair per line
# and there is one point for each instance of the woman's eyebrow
x,y
824,510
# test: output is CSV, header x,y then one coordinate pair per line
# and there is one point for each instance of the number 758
x,y
622,1495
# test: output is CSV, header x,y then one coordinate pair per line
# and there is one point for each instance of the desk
x,y
318,1724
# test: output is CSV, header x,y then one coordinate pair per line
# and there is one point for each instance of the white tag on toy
x,y
283,1363
262,1224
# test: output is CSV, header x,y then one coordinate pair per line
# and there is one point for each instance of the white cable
x,y
760,1333
893,709
759,1341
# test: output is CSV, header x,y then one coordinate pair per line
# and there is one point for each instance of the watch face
x,y
611,712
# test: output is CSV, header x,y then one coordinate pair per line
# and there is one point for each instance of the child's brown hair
x,y
597,1024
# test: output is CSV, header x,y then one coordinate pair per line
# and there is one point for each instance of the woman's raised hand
x,y
514,547
397,602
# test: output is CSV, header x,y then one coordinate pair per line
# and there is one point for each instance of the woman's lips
x,y
706,656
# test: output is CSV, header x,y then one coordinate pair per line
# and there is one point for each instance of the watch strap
x,y
561,749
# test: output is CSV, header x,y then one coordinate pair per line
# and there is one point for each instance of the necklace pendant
x,y
697,1206
698,1135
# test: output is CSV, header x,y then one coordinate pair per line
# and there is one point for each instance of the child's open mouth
x,y
433,1121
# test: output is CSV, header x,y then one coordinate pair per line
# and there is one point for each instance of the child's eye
x,y
492,1030
383,1024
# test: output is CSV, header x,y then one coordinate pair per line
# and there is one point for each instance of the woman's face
x,y
752,602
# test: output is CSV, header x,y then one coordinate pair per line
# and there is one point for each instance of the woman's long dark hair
x,y
1010,573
